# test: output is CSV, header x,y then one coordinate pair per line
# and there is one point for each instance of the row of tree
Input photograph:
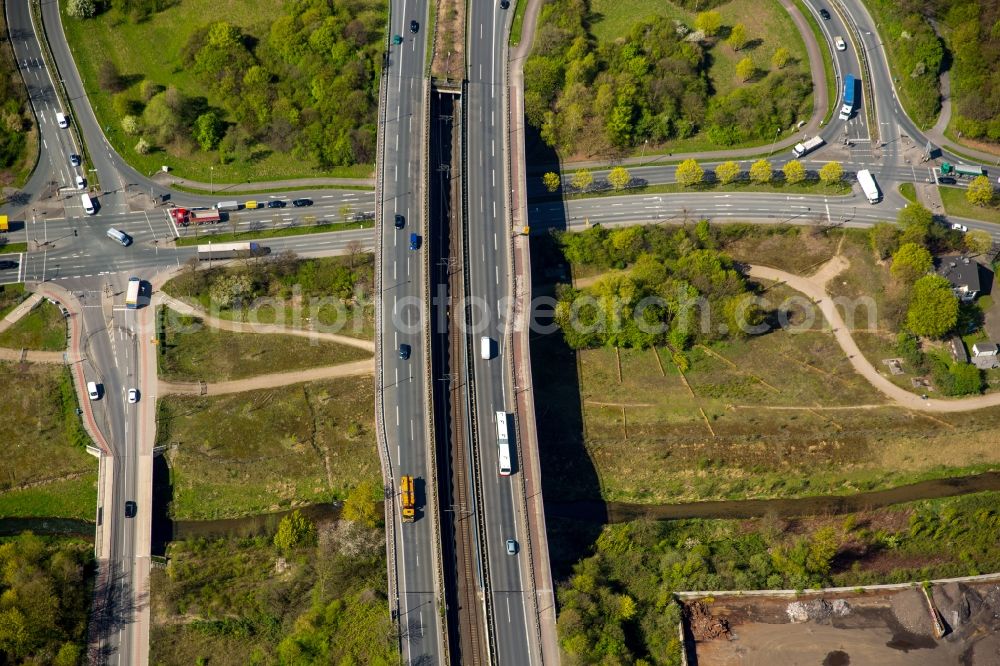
x,y
650,85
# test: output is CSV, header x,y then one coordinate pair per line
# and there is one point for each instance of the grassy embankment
x,y
767,24
46,471
955,203
43,328
264,451
152,49
331,293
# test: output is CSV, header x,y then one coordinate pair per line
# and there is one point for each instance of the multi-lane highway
x,y
404,404
488,231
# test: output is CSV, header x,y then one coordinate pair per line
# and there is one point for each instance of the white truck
x,y
869,186
812,144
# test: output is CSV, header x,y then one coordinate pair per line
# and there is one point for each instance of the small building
x,y
964,275
986,355
958,350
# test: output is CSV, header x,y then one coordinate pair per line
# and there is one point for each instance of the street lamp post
x,y
774,142
211,170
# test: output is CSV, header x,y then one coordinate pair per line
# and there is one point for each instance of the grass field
x,y
232,602
298,230
13,248
152,49
46,471
908,191
811,187
212,355
955,203
263,451
775,415
768,26
43,328
10,296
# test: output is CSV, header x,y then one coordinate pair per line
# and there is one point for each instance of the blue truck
x,y
850,83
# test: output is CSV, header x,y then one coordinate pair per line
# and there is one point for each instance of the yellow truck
x,y
406,499
250,205
4,224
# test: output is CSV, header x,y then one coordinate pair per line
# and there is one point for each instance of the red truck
x,y
184,217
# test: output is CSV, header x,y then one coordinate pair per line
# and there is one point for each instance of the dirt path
x,y
32,356
275,380
240,327
816,291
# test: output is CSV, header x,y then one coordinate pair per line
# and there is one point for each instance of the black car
x,y
404,351
275,204
504,4
299,203
414,26
130,509
4,265
946,180
400,221
74,160
825,14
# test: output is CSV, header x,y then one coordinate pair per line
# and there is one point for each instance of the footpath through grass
x,y
262,234
955,203
192,351
46,471
264,451
232,602
43,328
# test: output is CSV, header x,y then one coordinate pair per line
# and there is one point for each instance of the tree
x,y
81,9
108,77
130,125
142,146
933,307
689,173
353,249
884,239
745,69
980,192
738,37
294,530
915,221
727,172
708,22
831,173
760,172
978,241
911,262
552,181
619,177
582,179
208,130
364,504
230,289
780,57
967,379
794,172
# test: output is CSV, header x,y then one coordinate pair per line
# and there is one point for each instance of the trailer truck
x,y
848,105
962,170
185,216
869,186
805,147
218,251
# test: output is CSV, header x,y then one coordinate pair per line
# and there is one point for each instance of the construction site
x,y
949,623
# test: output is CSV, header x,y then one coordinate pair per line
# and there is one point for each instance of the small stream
x,y
166,530
617,512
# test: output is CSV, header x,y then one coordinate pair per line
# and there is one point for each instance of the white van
x,y
92,391
227,205
119,236
88,205
486,348
61,119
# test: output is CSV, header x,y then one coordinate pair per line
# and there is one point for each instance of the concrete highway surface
x,y
487,219
405,404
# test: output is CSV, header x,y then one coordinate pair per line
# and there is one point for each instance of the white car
x,y
840,43
133,395
960,227
81,184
